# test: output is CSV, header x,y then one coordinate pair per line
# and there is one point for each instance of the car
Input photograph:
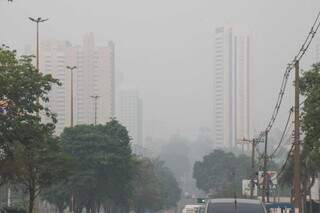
x,y
230,205
193,209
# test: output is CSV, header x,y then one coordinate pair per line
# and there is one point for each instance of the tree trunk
x,y
31,199
60,209
88,209
98,206
310,204
93,208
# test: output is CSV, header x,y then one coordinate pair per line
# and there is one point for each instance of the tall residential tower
x,y
94,76
231,87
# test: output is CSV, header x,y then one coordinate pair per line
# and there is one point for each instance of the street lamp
x,y
37,21
71,92
95,97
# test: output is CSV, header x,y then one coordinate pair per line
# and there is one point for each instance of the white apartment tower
x,y
231,87
222,87
54,57
94,76
129,113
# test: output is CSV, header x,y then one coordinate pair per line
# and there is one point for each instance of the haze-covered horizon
x,y
165,49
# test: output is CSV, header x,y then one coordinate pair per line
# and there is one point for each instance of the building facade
x,y
130,114
94,76
231,87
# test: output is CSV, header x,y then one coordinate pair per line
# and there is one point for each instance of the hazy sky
x,y
165,47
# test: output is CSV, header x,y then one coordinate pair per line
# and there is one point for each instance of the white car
x,y
193,209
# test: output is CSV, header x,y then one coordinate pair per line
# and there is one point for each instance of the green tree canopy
x,y
310,89
21,85
310,116
155,187
102,168
221,173
30,155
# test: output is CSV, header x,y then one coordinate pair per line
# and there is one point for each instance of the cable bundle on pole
x,y
293,65
304,47
282,135
285,162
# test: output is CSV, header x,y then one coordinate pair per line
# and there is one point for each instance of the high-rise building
x,y
129,113
54,57
223,87
242,86
231,87
94,76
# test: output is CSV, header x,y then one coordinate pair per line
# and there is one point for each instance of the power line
x,y
283,134
298,56
285,162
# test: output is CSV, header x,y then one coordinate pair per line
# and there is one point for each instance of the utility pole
x,y
37,21
265,162
95,97
296,154
252,167
253,143
71,93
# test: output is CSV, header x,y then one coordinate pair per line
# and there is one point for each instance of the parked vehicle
x,y
193,209
280,207
235,206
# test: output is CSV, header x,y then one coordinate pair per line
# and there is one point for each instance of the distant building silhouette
x,y
130,114
231,87
94,75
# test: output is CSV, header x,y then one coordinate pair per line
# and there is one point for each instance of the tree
x,y
103,165
310,88
171,193
155,187
36,166
105,174
21,85
26,144
310,117
175,154
147,193
221,173
57,195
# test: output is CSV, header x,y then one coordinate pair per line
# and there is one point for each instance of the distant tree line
x,y
88,167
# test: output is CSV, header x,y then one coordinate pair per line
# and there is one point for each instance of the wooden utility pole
x,y
296,154
265,162
252,167
253,143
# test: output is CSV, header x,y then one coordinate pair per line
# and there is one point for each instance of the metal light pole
x,y
95,97
71,116
37,21
71,93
